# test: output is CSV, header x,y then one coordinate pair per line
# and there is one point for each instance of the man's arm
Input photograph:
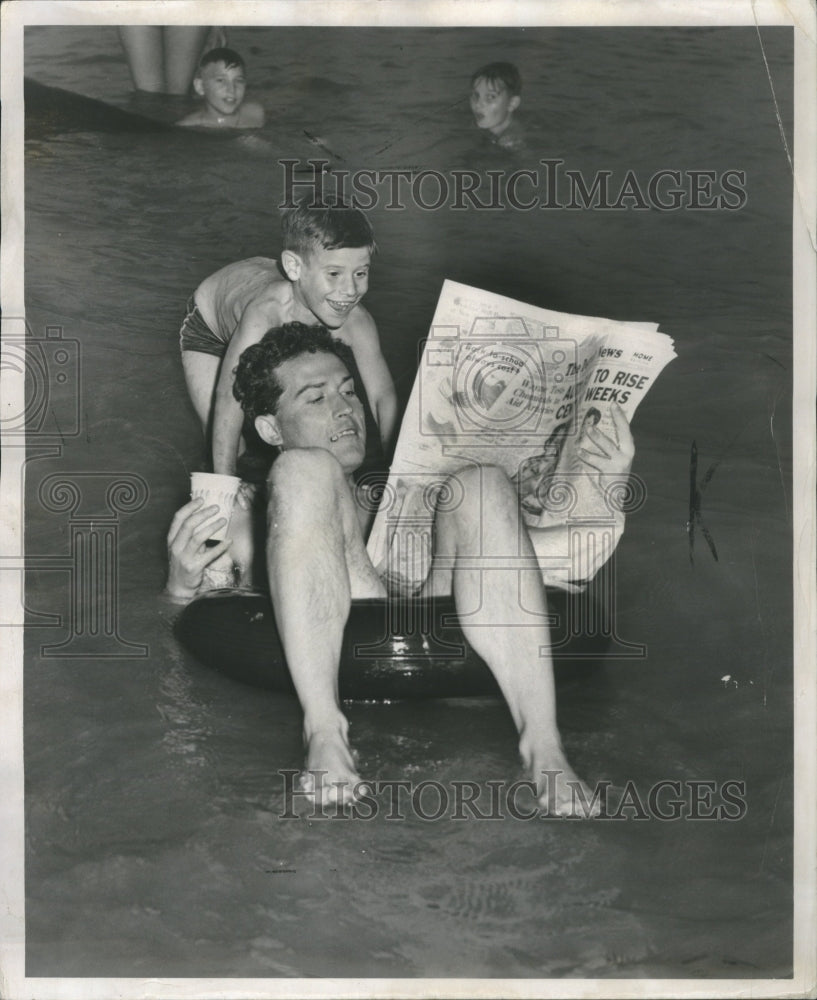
x,y
377,380
187,554
228,417
577,552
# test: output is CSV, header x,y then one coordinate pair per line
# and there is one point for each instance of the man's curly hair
x,y
256,385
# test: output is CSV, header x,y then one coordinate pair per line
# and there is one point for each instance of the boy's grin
x,y
222,88
330,283
343,308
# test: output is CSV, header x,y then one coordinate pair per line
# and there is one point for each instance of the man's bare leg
x,y
183,46
317,563
500,595
145,53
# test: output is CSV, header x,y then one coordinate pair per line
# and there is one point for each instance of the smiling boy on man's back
x,y
322,275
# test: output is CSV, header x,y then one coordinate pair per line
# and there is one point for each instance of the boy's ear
x,y
198,86
292,263
268,429
514,102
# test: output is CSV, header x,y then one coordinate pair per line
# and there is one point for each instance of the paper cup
x,y
215,489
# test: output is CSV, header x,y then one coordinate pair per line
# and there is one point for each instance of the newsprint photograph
x,y
407,552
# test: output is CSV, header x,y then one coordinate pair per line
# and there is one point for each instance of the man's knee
x,y
473,498
304,485
476,486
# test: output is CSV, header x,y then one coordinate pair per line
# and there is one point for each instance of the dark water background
x,y
153,843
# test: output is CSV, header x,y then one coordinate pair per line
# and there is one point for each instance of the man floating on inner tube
x,y
296,388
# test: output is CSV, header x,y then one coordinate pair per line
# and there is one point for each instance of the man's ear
x,y
292,263
514,102
198,86
268,429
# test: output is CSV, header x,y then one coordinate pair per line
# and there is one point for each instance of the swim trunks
x,y
196,335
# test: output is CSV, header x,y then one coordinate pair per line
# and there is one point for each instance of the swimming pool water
x,y
154,846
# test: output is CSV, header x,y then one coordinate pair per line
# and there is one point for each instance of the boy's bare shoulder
x,y
359,326
253,266
252,270
254,286
194,118
271,300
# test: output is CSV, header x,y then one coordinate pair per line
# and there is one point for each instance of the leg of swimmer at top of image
x,y
162,59
316,563
503,609
145,54
183,47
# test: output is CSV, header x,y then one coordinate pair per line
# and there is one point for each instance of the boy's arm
x,y
228,417
377,380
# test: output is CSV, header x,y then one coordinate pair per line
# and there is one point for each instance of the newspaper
x,y
512,385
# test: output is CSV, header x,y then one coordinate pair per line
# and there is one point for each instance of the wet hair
x,y
500,72
256,385
229,57
309,225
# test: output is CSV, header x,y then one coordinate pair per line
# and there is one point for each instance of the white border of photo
x,y
800,14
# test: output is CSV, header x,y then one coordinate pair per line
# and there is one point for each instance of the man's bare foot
x,y
559,790
329,773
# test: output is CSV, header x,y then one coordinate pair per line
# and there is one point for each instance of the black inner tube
x,y
391,649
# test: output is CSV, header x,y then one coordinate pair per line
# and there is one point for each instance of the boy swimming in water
x,y
495,96
221,80
322,275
